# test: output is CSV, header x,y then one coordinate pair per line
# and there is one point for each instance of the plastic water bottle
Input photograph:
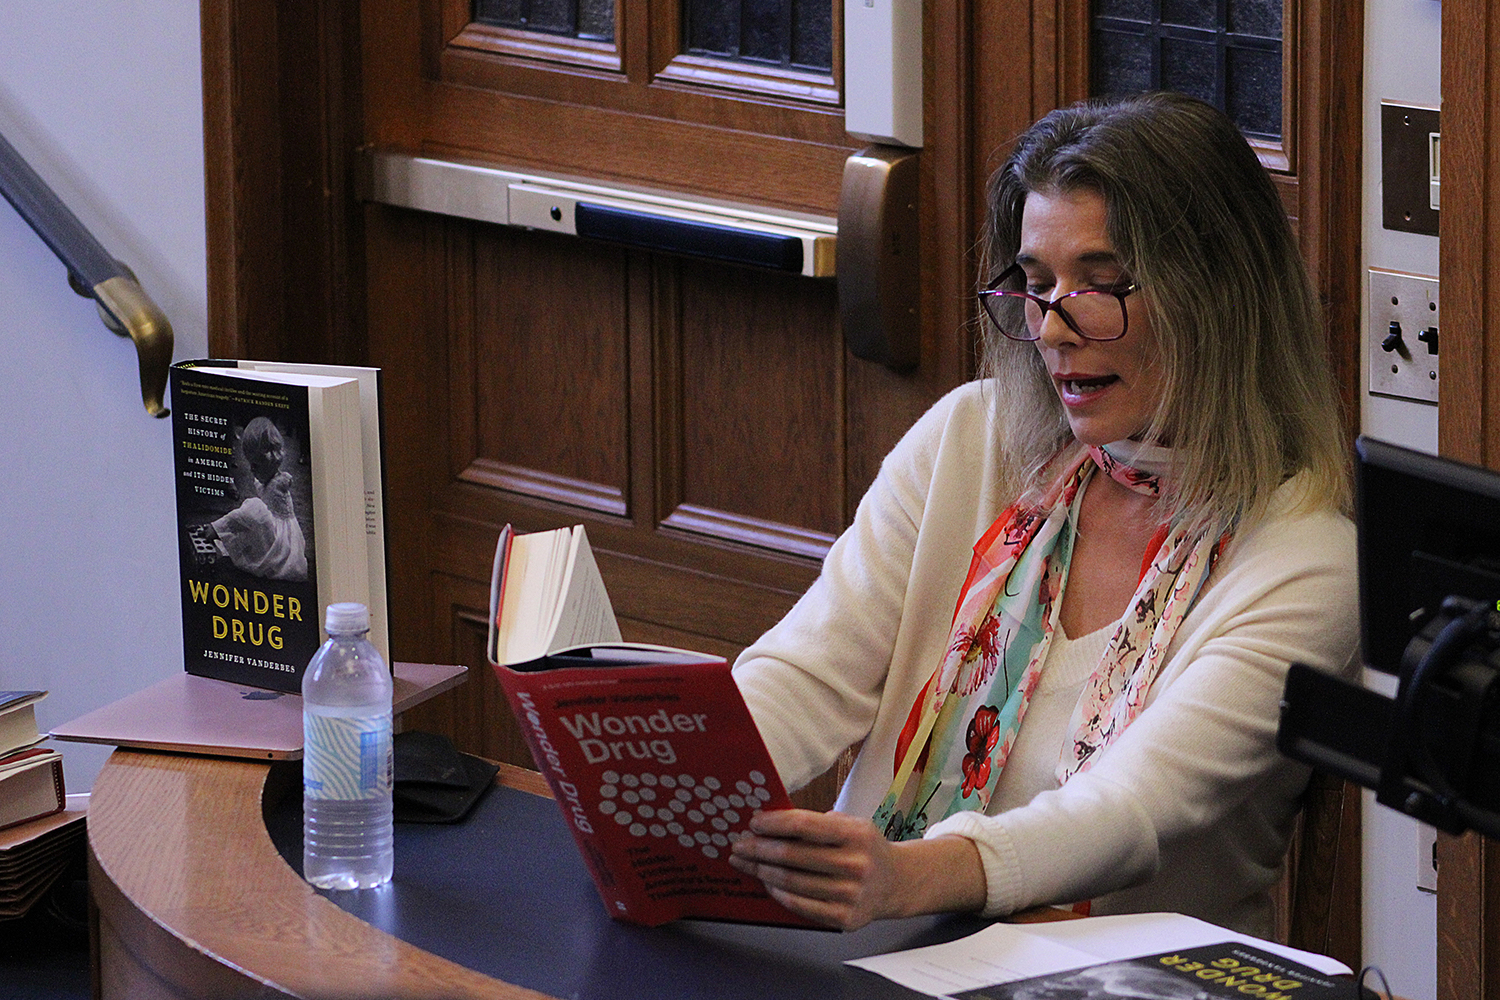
x,y
347,838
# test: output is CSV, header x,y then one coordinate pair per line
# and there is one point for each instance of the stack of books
x,y
31,776
34,855
41,830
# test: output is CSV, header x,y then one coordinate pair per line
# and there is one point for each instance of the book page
x,y
627,653
342,554
27,759
585,614
18,724
31,789
497,582
288,378
370,446
559,572
530,594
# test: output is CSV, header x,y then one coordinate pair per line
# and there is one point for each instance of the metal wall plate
x,y
1403,335
1409,168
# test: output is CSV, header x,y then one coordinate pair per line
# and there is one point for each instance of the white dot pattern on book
x,y
683,807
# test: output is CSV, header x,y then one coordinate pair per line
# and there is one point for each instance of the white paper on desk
x,y
1002,953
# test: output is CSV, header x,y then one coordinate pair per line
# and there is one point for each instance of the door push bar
x,y
877,268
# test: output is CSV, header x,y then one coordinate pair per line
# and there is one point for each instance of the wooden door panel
x,y
662,153
643,70
696,416
748,410
408,308
761,405
546,387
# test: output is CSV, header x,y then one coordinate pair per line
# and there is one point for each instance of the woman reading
x,y
1061,620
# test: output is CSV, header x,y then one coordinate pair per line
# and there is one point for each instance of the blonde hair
x,y
1248,396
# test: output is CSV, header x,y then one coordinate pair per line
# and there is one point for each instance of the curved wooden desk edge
x,y
193,900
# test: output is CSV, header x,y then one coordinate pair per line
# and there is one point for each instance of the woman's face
x,y
1109,388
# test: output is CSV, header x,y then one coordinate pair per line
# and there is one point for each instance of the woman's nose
x,y
1055,331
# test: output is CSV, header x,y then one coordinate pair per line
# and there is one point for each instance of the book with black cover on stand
x,y
280,504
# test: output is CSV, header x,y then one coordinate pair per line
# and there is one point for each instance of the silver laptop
x,y
191,714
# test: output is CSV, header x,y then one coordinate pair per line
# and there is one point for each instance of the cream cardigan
x,y
1189,810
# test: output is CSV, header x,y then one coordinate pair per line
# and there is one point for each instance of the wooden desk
x,y
192,899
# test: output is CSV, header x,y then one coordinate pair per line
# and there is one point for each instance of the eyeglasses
x,y
1092,313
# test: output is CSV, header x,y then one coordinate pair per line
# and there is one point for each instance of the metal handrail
x,y
123,305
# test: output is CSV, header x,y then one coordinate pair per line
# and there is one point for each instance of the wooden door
x,y
703,419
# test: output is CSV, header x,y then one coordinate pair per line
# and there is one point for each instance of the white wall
x,y
106,104
1402,46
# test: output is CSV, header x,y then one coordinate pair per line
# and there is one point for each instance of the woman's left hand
x,y
838,870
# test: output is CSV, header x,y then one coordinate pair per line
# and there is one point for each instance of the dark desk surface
x,y
506,894
193,900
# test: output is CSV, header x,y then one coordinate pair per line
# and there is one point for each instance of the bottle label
x,y
346,758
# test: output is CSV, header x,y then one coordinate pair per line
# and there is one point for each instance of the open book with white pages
x,y
1003,953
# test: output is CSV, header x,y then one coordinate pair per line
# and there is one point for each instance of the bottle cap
x,y
347,616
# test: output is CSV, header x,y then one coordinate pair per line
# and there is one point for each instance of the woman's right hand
x,y
840,871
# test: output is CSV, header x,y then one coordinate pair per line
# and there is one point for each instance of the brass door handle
x,y
879,269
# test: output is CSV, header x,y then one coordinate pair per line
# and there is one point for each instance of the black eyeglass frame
x,y
993,291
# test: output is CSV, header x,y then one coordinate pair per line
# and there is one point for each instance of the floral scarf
x,y
963,724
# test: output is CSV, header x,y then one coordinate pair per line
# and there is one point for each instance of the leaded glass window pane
x,y
1251,77
1227,52
1189,13
1136,9
590,19
1189,65
797,34
1256,17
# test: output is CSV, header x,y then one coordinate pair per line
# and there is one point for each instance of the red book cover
x,y
657,767
650,752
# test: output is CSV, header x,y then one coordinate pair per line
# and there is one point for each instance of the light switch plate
x,y
1408,169
1410,369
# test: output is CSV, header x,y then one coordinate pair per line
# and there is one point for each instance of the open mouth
x,y
1085,386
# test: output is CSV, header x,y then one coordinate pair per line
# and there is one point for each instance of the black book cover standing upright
x,y
271,516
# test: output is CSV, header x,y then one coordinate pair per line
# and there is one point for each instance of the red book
x,y
649,751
